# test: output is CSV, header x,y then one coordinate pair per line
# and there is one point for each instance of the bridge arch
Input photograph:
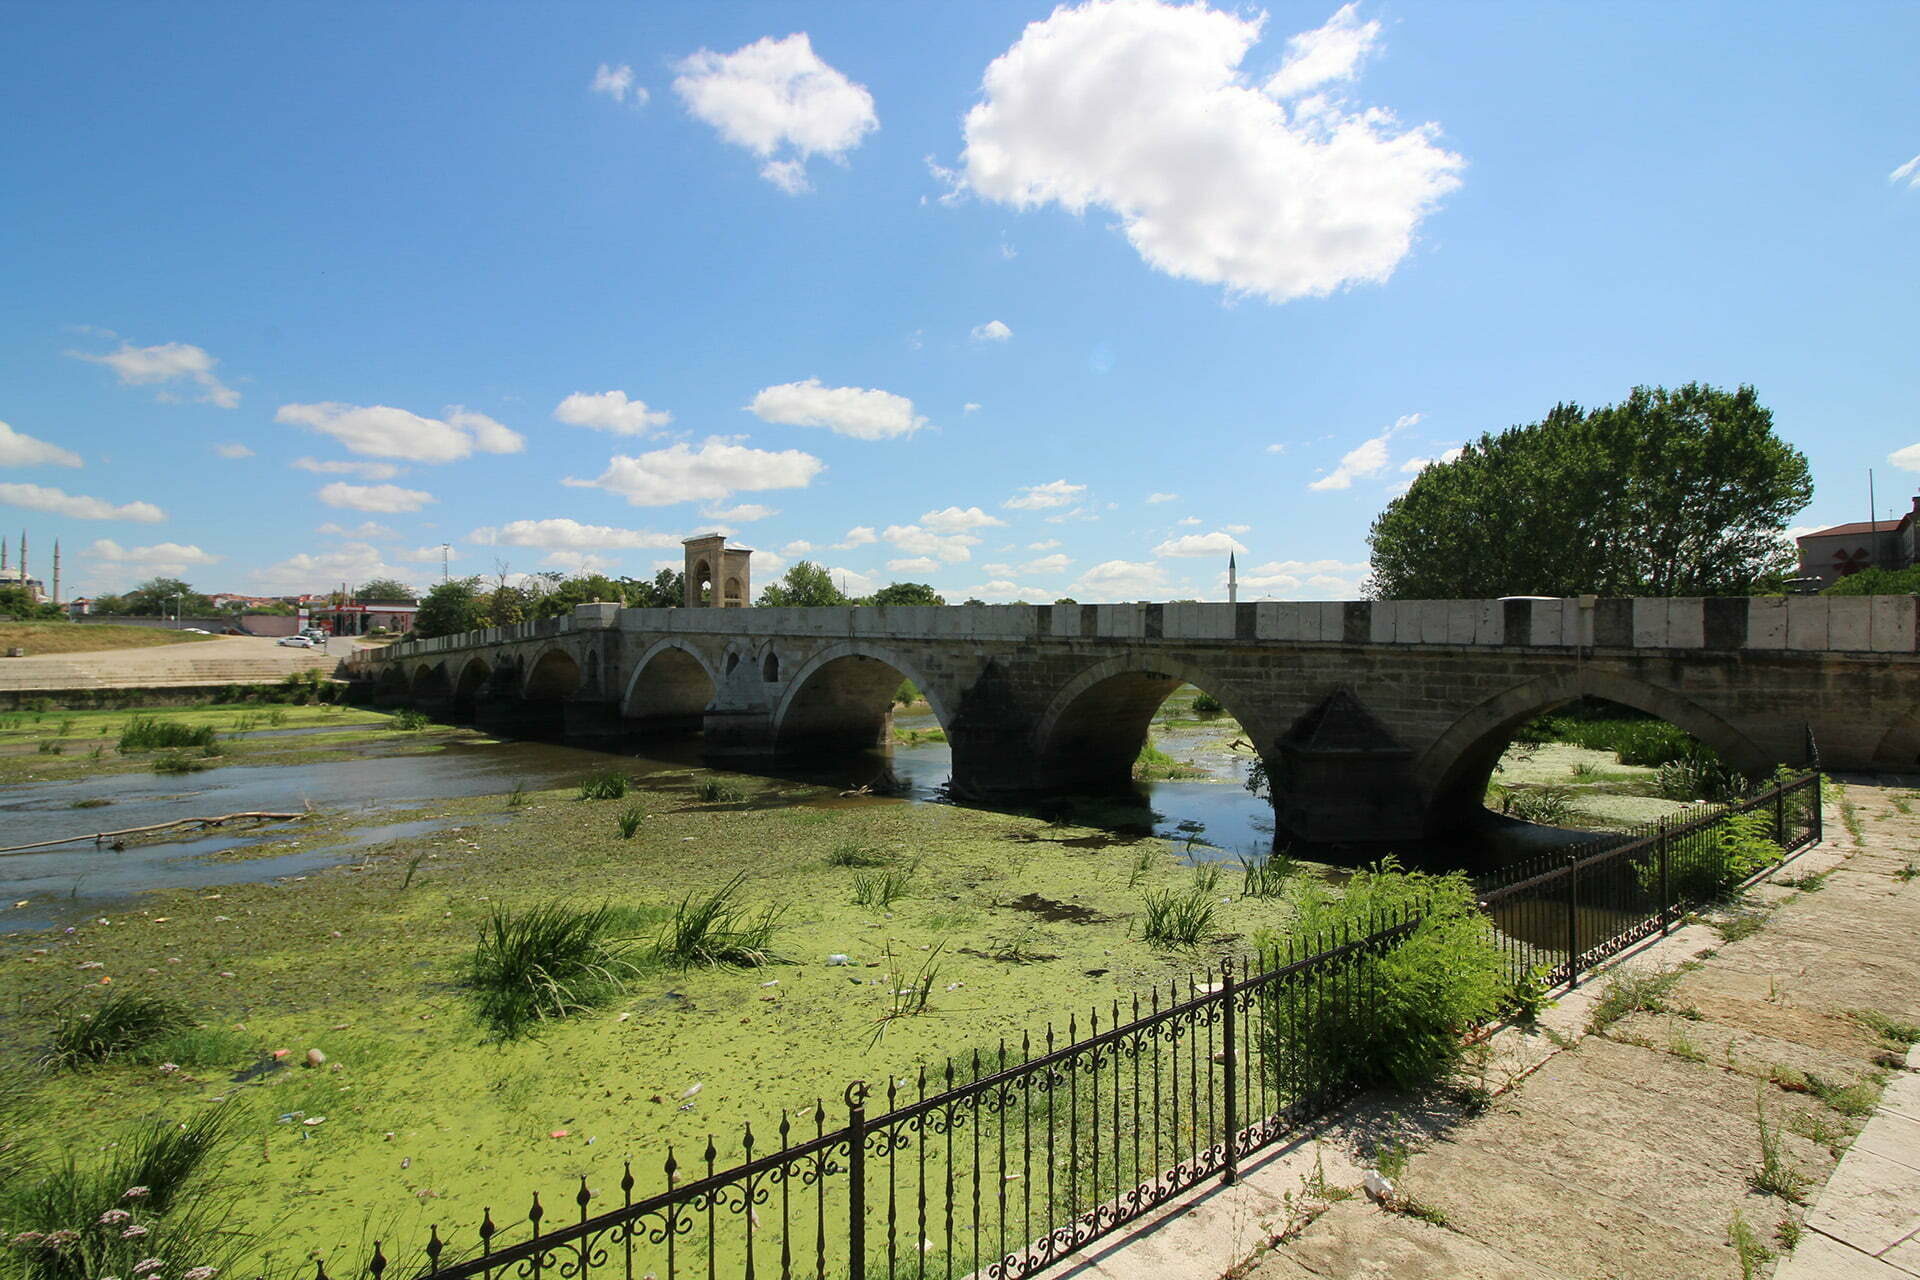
x,y
430,681
393,683
1454,771
553,677
843,696
670,689
1091,732
466,690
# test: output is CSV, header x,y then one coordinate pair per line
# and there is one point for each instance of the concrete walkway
x,y
223,660
1630,1153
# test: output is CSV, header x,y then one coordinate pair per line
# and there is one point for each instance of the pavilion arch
x,y
670,689
430,681
1092,731
554,677
843,697
473,679
1454,771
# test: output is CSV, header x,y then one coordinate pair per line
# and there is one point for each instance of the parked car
x,y
196,631
296,642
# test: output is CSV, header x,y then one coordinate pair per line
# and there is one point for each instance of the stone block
x,y
1066,621
1433,622
1548,616
1490,627
1686,622
1122,621
1650,624
1893,619
1807,622
1385,615
1767,622
1267,620
1332,615
1849,623
1463,618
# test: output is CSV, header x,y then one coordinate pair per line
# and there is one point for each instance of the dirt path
x,y
1631,1155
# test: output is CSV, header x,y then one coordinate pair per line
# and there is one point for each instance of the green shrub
x,y
717,930
409,720
120,1022
1266,877
1403,1008
149,733
1177,917
879,889
1552,806
1701,775
178,762
907,694
1205,704
547,962
1703,867
630,819
608,784
720,791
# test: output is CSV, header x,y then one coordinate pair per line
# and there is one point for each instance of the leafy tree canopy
x,y
905,593
449,608
156,598
16,603
806,584
383,589
666,591
1669,493
1878,582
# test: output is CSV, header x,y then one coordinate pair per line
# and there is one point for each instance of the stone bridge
x,y
1377,720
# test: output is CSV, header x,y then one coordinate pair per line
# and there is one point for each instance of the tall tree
x,y
905,593
805,584
666,591
165,597
383,589
1669,493
450,607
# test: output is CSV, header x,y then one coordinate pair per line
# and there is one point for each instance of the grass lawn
x,y
83,637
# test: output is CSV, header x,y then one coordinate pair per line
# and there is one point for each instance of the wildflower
x,y
147,1265
27,1239
114,1217
133,1232
168,1068
135,1193
200,1273
63,1239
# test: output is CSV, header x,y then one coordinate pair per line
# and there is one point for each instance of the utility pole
x,y
446,551
56,573
1873,520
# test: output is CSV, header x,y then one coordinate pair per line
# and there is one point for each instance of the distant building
x,y
1845,549
359,619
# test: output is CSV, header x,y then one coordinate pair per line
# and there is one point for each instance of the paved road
x,y
223,660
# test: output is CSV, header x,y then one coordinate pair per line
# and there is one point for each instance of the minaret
x,y
1233,580
56,573
23,556
4,544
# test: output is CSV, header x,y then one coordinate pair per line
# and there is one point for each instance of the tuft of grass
x,y
547,962
409,720
1206,705
879,889
518,796
1788,1234
92,802
1753,1255
717,930
1898,1034
150,733
1266,877
608,784
1734,928
1680,1045
720,791
194,1047
121,1022
1907,872
1631,992
1810,882
851,853
413,865
175,762
1549,806
629,821
1775,1176
909,996
1856,1100
1177,917
1145,858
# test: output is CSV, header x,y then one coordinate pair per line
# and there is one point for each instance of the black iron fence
x,y
1003,1163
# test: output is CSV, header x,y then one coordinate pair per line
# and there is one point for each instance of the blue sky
x,y
1019,301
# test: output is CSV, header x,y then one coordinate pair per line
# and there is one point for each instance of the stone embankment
x,y
223,661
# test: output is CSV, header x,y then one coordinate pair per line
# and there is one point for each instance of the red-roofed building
x,y
1845,549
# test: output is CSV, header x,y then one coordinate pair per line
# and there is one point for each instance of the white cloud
x,y
798,547
1042,497
854,582
168,558
365,529
1907,459
351,562
561,533
382,431
916,541
1119,579
426,555
1078,513
360,470
849,411
233,450
860,535
1156,498
36,497
1413,466
1001,591
779,100
917,564
710,473
768,565
1047,564
1326,54
1367,459
1141,108
745,513
991,331
1045,544
610,411
1908,173
1305,579
1184,521
1237,528
164,363
1001,570
1276,448
580,561
18,449
388,498
959,520
1192,545
970,407
617,83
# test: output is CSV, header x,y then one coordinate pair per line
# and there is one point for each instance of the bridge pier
x,y
591,718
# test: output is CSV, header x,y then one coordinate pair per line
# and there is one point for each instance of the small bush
x,y
629,821
1176,917
1631,991
1704,867
608,784
409,720
879,889
122,1021
1205,704
1701,775
149,733
1775,1176
907,694
1551,806
547,962
720,791
718,931
175,762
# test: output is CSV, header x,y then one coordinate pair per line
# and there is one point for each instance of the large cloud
x,y
382,431
1141,108
164,363
1120,580
610,411
386,498
18,449
960,520
351,562
1043,497
779,100
916,541
1200,545
561,533
169,558
716,469
1305,579
337,467
865,414
1365,460
35,497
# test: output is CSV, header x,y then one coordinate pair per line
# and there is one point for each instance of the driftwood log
x,y
99,836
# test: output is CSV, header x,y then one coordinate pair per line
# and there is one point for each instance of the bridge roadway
x,y
1378,720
